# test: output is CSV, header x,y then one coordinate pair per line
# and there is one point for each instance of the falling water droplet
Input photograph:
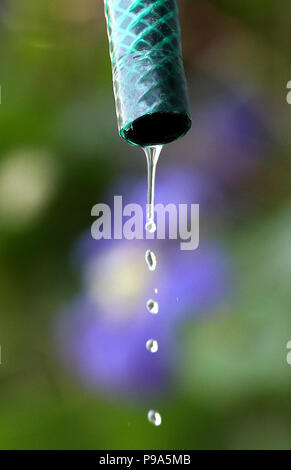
x,y
150,226
152,345
151,260
156,291
154,417
152,156
153,306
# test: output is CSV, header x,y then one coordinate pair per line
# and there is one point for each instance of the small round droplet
x,y
152,345
150,226
156,291
151,260
154,417
153,306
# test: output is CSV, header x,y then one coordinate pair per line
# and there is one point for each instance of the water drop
x,y
154,417
150,226
152,155
152,306
156,291
152,345
151,260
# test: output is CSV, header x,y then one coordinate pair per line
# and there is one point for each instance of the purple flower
x,y
229,137
111,355
103,332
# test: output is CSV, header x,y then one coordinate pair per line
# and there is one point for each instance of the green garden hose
x,y
148,74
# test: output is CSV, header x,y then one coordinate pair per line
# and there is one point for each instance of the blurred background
x,y
74,372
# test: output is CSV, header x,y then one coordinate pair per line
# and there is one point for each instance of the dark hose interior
x,y
157,129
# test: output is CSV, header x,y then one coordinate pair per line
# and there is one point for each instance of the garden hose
x,y
147,67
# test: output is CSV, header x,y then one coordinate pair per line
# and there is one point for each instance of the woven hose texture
x,y
148,74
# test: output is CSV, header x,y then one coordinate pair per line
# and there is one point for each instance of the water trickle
x,y
153,306
152,155
152,345
154,417
151,260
